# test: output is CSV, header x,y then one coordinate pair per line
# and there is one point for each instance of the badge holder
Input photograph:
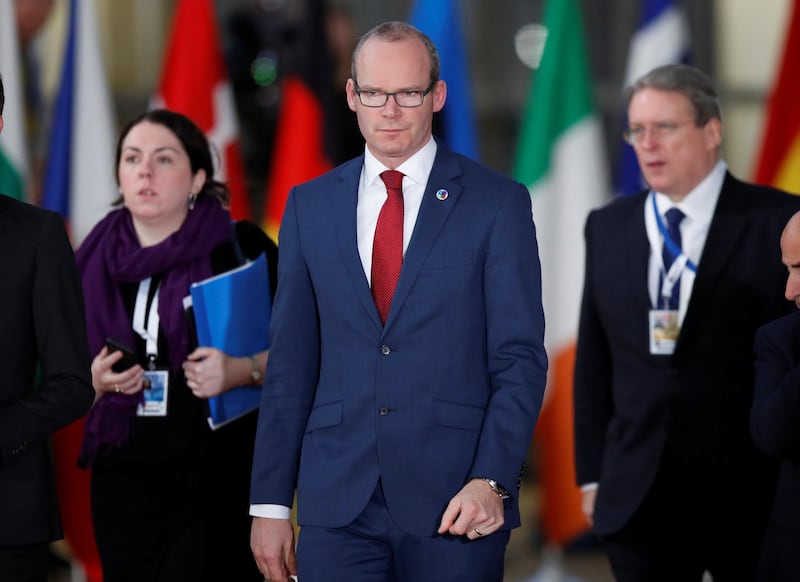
x,y
664,331
156,381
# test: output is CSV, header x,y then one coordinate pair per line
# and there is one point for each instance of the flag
x,y
779,161
79,175
560,158
13,149
194,82
441,21
299,152
79,183
661,38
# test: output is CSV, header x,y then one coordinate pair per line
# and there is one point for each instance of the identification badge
x,y
664,330
156,386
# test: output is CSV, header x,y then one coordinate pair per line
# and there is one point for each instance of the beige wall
x,y
748,46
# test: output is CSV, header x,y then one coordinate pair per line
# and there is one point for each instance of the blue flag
x,y
441,21
79,176
661,38
55,194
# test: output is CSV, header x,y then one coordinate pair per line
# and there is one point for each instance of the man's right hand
x,y
272,544
588,498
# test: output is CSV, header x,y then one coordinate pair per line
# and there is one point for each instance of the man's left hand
x,y
475,511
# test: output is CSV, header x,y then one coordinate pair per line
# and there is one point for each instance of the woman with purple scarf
x,y
169,496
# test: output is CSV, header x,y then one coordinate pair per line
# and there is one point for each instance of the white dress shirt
x,y
698,207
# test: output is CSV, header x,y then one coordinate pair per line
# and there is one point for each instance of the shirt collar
x,y
417,167
699,204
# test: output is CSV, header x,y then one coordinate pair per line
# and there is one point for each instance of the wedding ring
x,y
479,534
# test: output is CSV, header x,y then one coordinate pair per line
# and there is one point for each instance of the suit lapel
x,y
343,204
727,226
432,216
638,257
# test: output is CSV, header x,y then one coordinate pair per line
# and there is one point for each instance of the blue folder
x,y
231,313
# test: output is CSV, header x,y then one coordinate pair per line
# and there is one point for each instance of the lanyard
x,y
146,320
682,261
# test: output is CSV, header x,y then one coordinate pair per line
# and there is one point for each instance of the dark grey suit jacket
x,y
41,323
634,409
775,424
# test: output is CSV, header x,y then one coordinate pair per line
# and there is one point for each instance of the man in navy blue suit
x,y
775,420
402,420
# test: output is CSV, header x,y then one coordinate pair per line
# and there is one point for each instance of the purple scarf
x,y
111,255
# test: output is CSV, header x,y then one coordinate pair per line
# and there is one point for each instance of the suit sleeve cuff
x,y
270,510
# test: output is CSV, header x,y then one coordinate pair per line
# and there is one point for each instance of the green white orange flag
x,y
560,157
779,162
13,150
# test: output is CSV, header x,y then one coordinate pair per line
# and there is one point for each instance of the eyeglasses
x,y
375,98
659,130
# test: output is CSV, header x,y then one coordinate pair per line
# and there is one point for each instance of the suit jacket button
x,y
383,410
386,350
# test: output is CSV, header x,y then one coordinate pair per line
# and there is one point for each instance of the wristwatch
x,y
501,491
255,373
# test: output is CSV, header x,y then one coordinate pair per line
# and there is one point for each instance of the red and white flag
x,y
194,82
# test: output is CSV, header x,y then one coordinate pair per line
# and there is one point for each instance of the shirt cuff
x,y
270,510
584,488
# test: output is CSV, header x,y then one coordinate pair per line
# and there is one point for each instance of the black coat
x,y
775,424
634,409
41,322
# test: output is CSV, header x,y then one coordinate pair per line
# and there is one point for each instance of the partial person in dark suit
x,y
403,419
42,323
775,420
678,279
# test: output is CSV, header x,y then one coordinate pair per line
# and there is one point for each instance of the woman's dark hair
x,y
194,142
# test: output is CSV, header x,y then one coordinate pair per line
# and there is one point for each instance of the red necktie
x,y
387,248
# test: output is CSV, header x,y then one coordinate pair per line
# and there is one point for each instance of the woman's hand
x,y
210,372
104,379
206,370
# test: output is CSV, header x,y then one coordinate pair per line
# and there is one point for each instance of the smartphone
x,y
128,355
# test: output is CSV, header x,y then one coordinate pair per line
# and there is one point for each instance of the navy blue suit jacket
x,y
634,409
775,424
449,389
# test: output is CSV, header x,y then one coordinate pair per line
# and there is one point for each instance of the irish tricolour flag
x,y
13,155
560,158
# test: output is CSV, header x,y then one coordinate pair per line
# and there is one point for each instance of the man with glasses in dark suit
x,y
678,279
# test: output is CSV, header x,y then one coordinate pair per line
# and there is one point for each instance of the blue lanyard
x,y
673,248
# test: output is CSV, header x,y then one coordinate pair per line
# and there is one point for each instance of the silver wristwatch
x,y
502,493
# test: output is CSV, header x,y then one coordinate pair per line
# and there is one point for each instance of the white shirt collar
x,y
417,167
699,204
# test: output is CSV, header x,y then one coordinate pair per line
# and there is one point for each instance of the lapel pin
x,y
441,194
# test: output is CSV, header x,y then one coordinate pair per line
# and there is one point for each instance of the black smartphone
x,y
128,355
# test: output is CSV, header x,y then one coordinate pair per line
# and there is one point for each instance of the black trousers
x,y
169,524
24,563
674,536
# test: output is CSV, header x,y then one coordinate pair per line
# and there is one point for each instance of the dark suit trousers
x,y
674,536
373,549
24,563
